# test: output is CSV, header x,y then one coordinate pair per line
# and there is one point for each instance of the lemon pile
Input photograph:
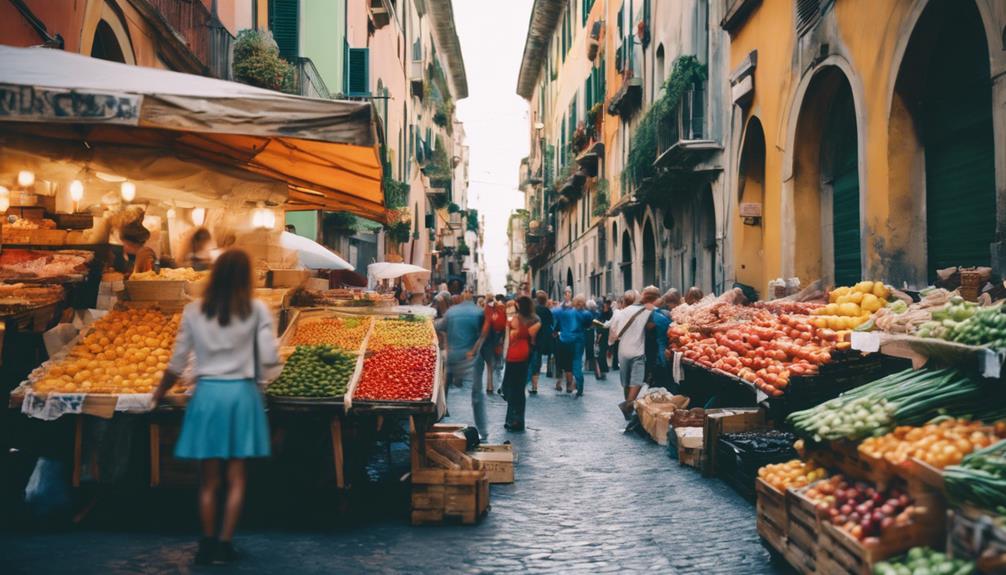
x,y
851,306
123,352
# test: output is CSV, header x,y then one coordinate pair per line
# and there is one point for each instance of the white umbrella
x,y
311,254
389,270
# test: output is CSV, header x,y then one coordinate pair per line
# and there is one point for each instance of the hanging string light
x,y
128,191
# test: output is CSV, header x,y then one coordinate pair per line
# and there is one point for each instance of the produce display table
x,y
921,351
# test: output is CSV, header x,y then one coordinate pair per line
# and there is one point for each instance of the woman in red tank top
x,y
521,332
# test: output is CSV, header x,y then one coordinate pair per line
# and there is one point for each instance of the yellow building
x,y
868,136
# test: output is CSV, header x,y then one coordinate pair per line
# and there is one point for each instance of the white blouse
x,y
226,352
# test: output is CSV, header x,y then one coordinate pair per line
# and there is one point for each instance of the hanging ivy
x,y
686,72
453,208
473,220
601,201
463,249
396,194
439,201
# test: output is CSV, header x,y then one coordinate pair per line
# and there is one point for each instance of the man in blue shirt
x,y
658,324
572,321
465,330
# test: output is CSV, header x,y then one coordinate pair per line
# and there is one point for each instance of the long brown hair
x,y
230,290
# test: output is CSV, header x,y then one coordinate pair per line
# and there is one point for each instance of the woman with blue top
x,y
572,321
231,337
658,324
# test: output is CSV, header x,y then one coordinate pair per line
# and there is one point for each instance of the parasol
x,y
313,255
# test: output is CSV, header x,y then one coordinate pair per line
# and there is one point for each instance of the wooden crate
x,y
844,456
690,456
47,237
772,504
498,461
721,421
799,559
449,495
843,554
974,535
803,524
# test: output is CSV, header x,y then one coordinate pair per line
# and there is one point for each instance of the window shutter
x,y
807,12
359,71
283,24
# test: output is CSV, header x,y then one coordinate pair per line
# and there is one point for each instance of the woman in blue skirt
x,y
231,337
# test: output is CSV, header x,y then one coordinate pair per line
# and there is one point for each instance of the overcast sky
x,y
495,117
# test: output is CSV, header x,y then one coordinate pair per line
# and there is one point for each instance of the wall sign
x,y
36,104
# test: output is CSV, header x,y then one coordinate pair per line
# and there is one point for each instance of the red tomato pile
x,y
765,352
398,374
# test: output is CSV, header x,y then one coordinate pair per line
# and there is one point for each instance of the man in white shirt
x,y
627,299
628,329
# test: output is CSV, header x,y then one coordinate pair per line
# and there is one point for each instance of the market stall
x,y
897,402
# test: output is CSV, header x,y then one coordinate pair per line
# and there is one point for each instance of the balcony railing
x,y
197,28
684,132
308,80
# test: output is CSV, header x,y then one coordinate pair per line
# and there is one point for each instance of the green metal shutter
x,y
960,164
359,71
846,238
283,16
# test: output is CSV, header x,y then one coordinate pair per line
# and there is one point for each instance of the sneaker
x,y
225,553
207,550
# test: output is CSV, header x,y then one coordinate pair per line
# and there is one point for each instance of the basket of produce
x,y
401,364
315,372
909,397
922,560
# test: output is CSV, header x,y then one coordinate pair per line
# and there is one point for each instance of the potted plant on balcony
x,y
453,208
594,118
439,201
257,62
463,250
579,140
601,201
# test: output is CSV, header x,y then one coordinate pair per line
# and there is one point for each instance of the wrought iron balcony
x,y
682,136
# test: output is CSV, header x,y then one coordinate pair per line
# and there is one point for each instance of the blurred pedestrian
x,y
231,337
465,328
590,339
603,317
521,333
543,341
658,324
628,329
693,295
197,253
627,299
572,320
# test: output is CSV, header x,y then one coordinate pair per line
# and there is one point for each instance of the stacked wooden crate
x,y
448,485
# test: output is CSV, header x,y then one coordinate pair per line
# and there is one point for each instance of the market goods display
x,y
764,352
906,398
401,333
19,297
794,473
123,352
170,274
314,371
849,307
980,478
398,374
343,333
860,509
763,442
924,561
901,317
788,307
712,312
967,323
28,224
938,444
25,265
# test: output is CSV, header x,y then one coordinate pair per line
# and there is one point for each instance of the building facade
x,y
871,134
744,141
626,181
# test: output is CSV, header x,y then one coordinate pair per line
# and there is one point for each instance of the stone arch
x,y
649,240
626,262
109,31
942,176
814,183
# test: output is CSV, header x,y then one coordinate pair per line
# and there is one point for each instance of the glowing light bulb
x,y
128,190
198,216
76,190
171,213
25,178
4,203
268,219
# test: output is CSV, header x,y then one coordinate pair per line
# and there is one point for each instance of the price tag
x,y
866,341
760,395
676,371
992,362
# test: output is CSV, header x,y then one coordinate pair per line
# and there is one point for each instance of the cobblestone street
x,y
588,499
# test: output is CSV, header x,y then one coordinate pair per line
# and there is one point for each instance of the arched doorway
x,y
750,246
106,45
626,261
826,194
569,279
941,111
649,256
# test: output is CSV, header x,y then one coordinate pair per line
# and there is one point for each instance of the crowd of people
x,y
494,340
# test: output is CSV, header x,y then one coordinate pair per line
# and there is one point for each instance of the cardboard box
x,y
498,461
689,437
287,278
